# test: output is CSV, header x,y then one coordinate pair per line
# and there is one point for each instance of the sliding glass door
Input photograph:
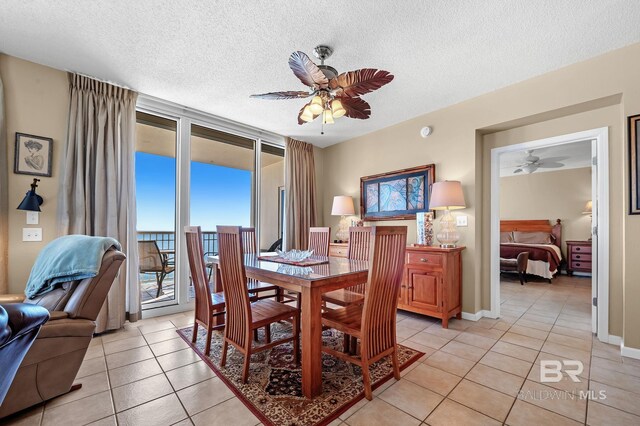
x,y
156,209
192,169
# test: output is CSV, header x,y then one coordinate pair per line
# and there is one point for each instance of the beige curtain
x,y
300,194
97,186
4,199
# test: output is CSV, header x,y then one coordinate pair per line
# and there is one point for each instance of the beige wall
x,y
560,194
595,93
37,102
607,116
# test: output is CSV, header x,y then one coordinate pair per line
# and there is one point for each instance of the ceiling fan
x,y
333,95
531,163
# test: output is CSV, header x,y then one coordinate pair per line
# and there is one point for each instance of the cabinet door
x,y
425,291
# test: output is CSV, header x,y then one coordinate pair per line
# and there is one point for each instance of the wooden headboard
x,y
534,226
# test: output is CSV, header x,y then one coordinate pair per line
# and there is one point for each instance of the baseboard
x,y
629,352
474,317
615,340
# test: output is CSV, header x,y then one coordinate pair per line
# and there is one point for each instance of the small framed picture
x,y
33,155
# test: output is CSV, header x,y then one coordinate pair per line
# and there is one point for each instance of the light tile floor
x,y
484,372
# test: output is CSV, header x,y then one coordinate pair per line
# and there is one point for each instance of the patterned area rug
x,y
274,389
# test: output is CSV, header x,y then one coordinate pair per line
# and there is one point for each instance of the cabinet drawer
x,y
424,259
581,249
581,257
337,251
580,265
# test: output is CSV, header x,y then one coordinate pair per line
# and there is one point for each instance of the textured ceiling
x,y
212,55
573,155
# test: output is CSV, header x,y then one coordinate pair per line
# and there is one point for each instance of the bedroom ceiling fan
x,y
333,95
531,163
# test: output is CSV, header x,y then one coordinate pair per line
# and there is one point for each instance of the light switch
x,y
461,220
32,218
31,234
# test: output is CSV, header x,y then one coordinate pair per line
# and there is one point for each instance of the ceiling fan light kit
x,y
333,95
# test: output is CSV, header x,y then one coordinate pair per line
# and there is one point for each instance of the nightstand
x,y
578,256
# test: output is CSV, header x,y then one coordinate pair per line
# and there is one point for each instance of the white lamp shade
x,y
342,206
588,208
316,105
447,195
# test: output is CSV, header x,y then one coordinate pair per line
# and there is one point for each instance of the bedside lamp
x,y
447,196
31,201
342,206
588,208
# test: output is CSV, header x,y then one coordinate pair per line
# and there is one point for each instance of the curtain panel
x,y
300,194
4,199
97,186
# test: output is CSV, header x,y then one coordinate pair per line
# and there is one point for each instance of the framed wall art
x,y
396,195
634,164
33,155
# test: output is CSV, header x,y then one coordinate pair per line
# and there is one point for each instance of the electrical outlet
x,y
32,218
461,220
31,234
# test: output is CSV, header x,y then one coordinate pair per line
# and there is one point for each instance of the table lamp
x,y
342,206
447,196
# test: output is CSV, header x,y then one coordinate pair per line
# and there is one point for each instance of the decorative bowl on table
x,y
295,255
295,270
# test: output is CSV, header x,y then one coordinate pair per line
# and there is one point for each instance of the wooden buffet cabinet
x,y
338,249
432,282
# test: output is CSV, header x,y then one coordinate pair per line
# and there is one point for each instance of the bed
x,y
538,237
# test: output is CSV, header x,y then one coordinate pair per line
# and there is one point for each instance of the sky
x,y
219,195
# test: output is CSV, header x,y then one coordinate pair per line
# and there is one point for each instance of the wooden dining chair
x,y
358,249
208,305
319,238
250,246
243,317
374,322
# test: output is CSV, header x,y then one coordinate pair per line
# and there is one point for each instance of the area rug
x,y
274,389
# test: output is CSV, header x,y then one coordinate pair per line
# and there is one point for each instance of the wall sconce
x,y
32,201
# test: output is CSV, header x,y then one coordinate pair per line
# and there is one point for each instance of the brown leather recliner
x,y
50,367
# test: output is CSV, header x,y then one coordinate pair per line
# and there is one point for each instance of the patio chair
x,y
243,317
152,261
374,323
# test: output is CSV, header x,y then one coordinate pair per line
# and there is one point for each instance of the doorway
x,y
600,220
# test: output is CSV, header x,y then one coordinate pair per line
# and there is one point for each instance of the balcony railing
x,y
166,240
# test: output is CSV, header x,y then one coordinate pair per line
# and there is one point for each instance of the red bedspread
x,y
545,254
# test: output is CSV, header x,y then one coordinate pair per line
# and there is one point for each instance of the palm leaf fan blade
x,y
282,95
308,72
360,82
356,107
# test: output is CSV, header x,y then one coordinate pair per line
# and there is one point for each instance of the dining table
x,y
311,282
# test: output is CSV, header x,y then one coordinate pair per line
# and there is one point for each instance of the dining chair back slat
x,y
358,249
319,238
387,250
249,243
197,267
234,284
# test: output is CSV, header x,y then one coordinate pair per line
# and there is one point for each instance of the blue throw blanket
x,y
68,258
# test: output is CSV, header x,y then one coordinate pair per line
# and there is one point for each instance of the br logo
x,y
551,371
